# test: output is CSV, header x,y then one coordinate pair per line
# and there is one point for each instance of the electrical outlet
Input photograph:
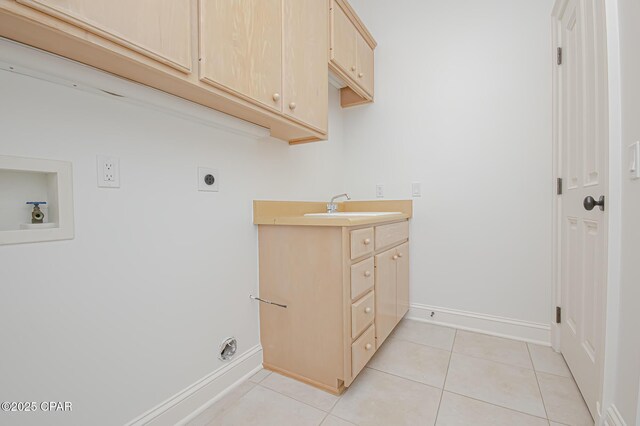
x,y
379,191
634,161
208,179
415,189
108,172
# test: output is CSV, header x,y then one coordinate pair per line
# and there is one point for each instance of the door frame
x,y
614,202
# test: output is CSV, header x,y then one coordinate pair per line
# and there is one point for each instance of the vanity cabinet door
x,y
386,298
402,280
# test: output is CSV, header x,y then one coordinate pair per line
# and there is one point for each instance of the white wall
x,y
463,96
627,362
133,309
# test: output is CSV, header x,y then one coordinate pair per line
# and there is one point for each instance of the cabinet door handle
x,y
368,346
399,254
292,106
360,75
395,257
367,241
367,310
353,68
276,97
367,274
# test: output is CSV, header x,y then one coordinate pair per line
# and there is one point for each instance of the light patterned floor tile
x,y
492,348
335,421
377,398
501,384
546,360
264,407
563,400
260,376
300,391
222,405
457,410
412,361
425,334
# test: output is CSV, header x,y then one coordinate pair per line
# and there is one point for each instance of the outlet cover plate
x,y
108,171
208,179
634,160
379,191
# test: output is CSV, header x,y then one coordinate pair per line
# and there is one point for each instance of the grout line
x,y
496,405
404,339
446,374
497,362
294,399
538,383
404,378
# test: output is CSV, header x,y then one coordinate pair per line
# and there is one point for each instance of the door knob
x,y
589,203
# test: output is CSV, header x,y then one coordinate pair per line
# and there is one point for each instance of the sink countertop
x,y
293,212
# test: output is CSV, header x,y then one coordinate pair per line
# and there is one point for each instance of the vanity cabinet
x,y
344,287
351,54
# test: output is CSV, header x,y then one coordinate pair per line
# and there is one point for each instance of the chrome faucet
x,y
331,206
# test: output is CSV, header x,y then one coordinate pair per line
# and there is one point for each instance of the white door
x,y
583,138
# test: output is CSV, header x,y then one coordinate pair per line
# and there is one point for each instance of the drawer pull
x,y
395,257
292,106
267,301
399,254
368,346
353,67
366,241
360,75
276,97
367,274
367,310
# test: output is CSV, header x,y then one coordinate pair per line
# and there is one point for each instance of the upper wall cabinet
x,y
159,29
351,54
305,62
241,48
269,51
263,61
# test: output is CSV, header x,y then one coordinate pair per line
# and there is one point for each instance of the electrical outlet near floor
x,y
379,191
108,172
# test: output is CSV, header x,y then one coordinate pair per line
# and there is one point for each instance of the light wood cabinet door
x,y
158,29
305,82
364,65
343,41
241,48
402,280
385,290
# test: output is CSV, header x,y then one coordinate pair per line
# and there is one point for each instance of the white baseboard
x,y
613,417
194,399
488,324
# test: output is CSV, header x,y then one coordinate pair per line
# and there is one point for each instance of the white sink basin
x,y
351,214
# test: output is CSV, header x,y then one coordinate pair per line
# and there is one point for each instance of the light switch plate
x,y
416,191
108,169
208,179
634,160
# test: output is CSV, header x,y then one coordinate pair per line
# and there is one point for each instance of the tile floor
x,y
423,375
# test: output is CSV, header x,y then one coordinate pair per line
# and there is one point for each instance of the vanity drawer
x,y
387,235
362,277
361,242
362,314
362,350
